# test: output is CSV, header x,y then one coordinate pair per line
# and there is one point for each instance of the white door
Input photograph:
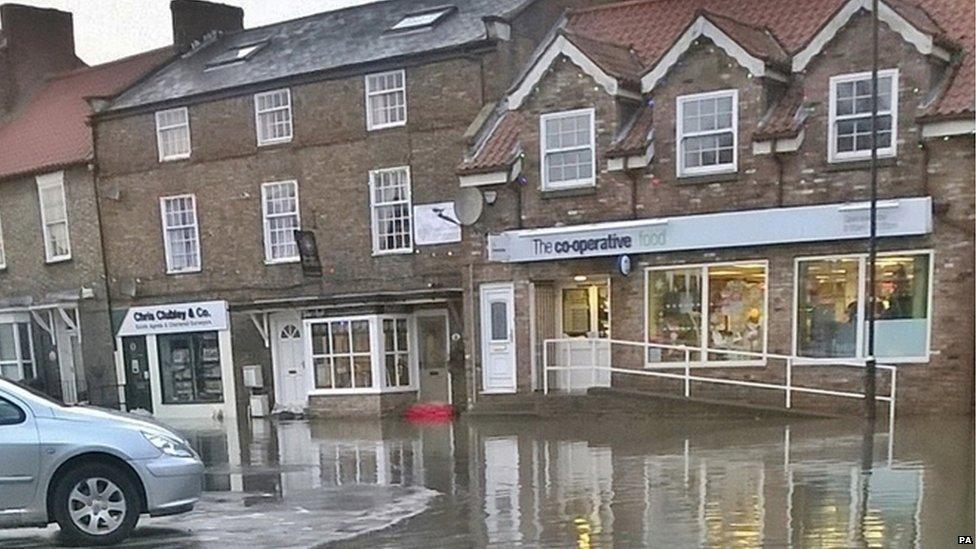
x,y
291,382
433,351
498,338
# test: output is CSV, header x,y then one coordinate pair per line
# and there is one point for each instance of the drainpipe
x,y
779,175
95,174
633,175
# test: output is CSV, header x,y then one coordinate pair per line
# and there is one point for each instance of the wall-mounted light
x,y
491,196
580,278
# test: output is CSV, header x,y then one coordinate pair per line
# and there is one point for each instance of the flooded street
x,y
602,482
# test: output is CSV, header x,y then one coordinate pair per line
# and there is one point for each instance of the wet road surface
x,y
597,482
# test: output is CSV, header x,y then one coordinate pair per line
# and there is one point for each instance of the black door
x,y
138,394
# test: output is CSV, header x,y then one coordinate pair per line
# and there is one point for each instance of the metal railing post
x,y
687,373
593,362
545,367
789,382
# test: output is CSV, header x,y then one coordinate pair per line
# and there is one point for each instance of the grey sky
x,y
109,29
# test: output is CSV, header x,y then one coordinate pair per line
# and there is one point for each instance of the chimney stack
x,y
34,44
193,19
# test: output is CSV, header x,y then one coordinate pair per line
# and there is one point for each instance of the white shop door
x,y
291,381
498,338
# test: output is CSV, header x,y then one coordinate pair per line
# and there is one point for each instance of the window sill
x,y
704,179
56,260
857,164
266,144
174,159
188,272
361,391
384,253
289,261
386,126
568,192
705,365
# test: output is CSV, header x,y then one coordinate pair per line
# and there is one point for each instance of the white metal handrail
x,y
652,371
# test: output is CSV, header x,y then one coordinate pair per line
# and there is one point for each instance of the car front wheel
x,y
96,504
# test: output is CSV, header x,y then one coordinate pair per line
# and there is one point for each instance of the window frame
x,y
20,359
544,153
3,249
680,170
704,348
833,156
373,206
861,338
45,182
258,112
409,351
159,142
266,217
196,229
370,124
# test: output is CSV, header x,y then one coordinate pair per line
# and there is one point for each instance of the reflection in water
x,y
600,483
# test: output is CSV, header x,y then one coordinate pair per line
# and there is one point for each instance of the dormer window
x,y
707,133
850,115
237,54
423,19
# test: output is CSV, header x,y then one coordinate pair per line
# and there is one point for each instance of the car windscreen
x,y
20,385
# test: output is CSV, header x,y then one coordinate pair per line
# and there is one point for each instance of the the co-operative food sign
x,y
822,222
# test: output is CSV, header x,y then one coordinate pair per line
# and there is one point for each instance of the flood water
x,y
621,482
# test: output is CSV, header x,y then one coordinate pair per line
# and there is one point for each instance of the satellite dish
x,y
468,205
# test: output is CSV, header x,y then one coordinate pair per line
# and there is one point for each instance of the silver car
x,y
92,471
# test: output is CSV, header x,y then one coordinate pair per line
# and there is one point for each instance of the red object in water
x,y
430,413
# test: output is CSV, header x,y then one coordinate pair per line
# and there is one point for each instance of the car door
x,y
19,457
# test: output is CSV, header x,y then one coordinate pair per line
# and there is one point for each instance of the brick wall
x,y
28,275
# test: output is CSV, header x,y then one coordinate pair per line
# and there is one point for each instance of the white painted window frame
x,y
680,135
19,361
159,130
833,155
376,352
3,250
266,218
704,349
167,228
263,140
545,151
412,361
45,182
861,340
370,125
374,206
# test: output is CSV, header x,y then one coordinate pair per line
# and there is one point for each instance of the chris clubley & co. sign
x,y
202,316
817,223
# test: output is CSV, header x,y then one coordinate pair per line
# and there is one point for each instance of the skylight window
x,y
422,19
237,54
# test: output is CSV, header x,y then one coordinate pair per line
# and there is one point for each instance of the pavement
x,y
305,519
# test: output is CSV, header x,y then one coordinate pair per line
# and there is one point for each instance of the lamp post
x,y
870,389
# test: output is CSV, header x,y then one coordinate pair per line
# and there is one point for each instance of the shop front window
x,y
15,351
709,308
396,352
832,300
342,355
189,366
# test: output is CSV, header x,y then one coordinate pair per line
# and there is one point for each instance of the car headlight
x,y
168,445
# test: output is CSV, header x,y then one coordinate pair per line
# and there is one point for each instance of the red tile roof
x,y
500,148
634,138
785,119
758,41
51,130
651,27
617,60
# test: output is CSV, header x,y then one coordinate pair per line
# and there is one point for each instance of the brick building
x,y
345,125
692,177
54,321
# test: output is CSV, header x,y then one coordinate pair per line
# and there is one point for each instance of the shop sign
x,y
308,253
204,316
901,217
436,224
